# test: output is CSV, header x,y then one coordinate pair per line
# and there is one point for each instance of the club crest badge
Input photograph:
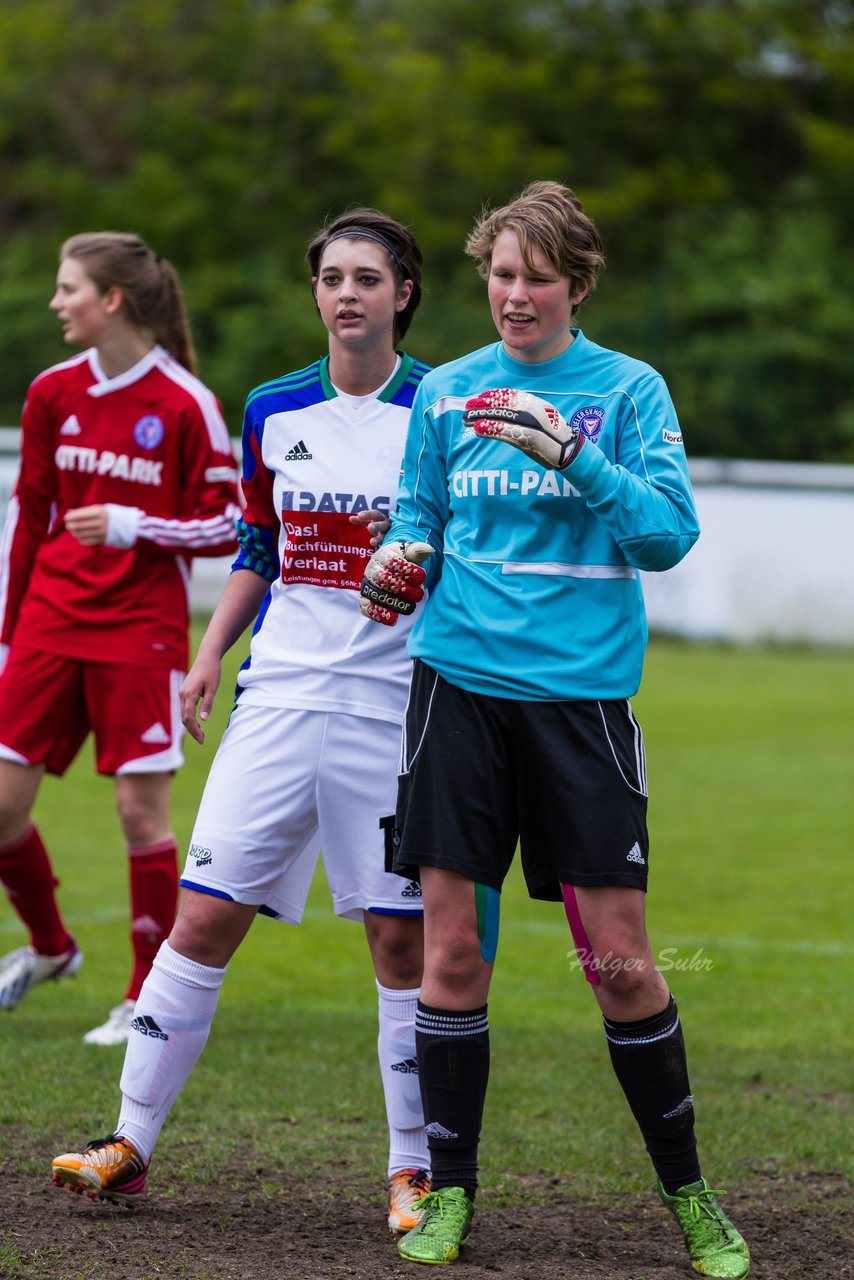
x,y
148,432
589,422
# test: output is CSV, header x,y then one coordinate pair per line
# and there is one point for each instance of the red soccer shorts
x,y
49,704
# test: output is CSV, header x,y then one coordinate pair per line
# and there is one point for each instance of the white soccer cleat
x,y
23,969
117,1027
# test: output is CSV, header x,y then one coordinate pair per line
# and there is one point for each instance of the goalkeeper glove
x,y
392,581
527,422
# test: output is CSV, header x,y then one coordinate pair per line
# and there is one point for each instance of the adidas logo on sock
x,y
436,1130
147,924
148,1027
299,453
634,854
412,890
409,1067
687,1104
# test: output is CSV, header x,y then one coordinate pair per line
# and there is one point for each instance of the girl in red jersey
x,y
127,472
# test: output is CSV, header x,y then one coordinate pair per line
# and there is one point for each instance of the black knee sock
x,y
453,1069
649,1060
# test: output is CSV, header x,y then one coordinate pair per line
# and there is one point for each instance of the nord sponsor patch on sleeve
x,y
671,437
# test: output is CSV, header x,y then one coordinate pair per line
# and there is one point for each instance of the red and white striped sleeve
x,y
208,501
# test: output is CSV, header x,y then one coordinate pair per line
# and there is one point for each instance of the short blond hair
x,y
546,216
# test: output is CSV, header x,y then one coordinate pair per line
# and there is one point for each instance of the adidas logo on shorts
x,y
634,854
409,1067
412,890
299,453
148,1027
155,735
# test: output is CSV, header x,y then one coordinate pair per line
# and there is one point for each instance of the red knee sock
x,y
153,900
27,877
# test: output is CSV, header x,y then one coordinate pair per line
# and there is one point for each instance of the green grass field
x,y
750,762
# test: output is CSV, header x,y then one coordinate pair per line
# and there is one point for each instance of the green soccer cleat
x,y
714,1246
444,1228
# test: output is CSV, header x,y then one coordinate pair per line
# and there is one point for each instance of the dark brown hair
x,y
397,240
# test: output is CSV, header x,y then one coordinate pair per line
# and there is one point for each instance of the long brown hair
x,y
151,291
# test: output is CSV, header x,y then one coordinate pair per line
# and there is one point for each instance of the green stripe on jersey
x,y
289,382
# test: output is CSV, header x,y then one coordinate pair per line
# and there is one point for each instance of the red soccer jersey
x,y
151,441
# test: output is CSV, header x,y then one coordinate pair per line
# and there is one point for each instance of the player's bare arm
x,y
237,609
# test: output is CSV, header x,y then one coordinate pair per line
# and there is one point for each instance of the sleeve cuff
x,y
122,526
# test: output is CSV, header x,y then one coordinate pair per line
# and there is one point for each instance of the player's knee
x,y
457,963
14,818
397,946
141,826
18,789
624,969
209,930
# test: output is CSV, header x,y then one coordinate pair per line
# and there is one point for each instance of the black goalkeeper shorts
x,y
564,780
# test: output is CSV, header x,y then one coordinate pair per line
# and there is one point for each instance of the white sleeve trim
x,y
122,525
189,534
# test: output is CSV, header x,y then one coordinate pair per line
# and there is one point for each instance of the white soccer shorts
x,y
286,784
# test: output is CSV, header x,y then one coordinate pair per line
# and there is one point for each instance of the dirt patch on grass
x,y
306,1232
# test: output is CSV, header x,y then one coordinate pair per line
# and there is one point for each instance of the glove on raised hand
x,y
527,422
392,581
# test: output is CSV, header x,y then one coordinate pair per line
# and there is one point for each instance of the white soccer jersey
x,y
311,459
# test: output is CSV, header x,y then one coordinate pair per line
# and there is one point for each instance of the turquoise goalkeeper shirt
x,y
534,590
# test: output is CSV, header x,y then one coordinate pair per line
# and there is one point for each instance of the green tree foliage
x,y
713,141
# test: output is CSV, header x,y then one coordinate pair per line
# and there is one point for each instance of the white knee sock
x,y
399,1070
171,1024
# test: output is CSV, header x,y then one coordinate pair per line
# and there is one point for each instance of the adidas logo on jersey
x,y
436,1130
634,854
70,427
412,890
155,735
299,453
408,1068
148,1027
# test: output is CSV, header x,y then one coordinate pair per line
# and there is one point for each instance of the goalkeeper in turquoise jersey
x,y
541,475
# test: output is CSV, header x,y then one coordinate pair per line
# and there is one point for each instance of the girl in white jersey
x,y
127,472
309,759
